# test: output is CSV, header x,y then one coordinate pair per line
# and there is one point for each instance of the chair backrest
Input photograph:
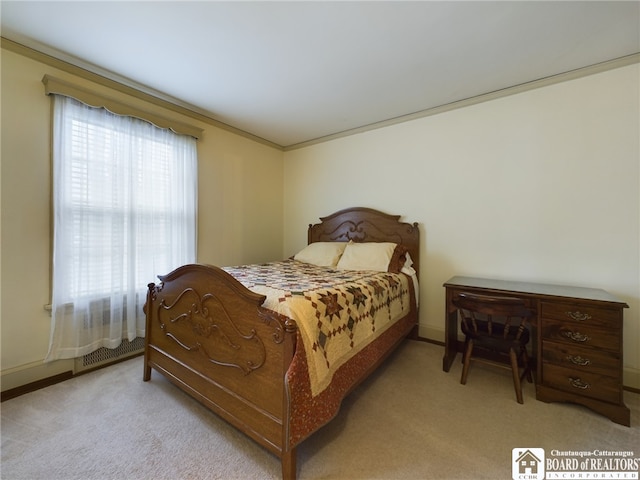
x,y
485,310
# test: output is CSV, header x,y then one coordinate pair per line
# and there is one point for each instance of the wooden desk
x,y
576,341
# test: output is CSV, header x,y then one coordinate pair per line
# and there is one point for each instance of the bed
x,y
267,355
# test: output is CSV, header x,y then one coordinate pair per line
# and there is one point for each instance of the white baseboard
x,y
33,372
431,333
631,378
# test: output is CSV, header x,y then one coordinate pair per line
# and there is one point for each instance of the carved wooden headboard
x,y
367,225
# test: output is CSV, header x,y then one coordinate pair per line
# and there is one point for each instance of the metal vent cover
x,y
104,356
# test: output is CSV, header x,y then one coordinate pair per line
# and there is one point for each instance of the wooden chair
x,y
498,326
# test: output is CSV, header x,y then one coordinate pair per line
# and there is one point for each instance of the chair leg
x,y
466,362
516,375
527,367
464,350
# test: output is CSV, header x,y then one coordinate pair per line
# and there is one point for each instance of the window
x,y
125,195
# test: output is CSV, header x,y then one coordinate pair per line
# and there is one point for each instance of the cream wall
x,y
539,186
240,209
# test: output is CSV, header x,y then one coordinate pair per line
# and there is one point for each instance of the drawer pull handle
x,y
578,360
578,383
578,316
576,336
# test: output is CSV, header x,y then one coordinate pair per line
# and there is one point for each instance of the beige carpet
x,y
410,420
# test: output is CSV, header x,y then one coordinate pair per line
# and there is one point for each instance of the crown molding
x,y
67,63
505,92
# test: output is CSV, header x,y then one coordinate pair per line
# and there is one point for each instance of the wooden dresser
x,y
577,341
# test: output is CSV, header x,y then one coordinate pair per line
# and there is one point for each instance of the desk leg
x,y
450,335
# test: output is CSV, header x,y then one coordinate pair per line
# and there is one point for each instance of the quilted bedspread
x,y
338,312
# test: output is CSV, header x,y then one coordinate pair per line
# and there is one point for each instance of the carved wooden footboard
x,y
210,335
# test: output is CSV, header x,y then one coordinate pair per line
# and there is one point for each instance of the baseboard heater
x,y
105,356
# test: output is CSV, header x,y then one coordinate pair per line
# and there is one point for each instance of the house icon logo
x,y
527,463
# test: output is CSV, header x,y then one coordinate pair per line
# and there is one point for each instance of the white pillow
x,y
323,254
367,256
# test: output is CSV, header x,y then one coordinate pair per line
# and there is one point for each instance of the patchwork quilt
x,y
338,312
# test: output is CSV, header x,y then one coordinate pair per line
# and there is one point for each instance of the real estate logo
x,y
527,463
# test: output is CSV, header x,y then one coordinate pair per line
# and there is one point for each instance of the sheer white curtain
x,y
124,196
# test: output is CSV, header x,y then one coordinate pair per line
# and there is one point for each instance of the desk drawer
x,y
581,359
582,314
581,335
592,385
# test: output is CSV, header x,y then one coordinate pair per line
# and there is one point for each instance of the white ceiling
x,y
291,72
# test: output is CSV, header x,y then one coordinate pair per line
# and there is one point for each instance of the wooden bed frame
x,y
233,355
